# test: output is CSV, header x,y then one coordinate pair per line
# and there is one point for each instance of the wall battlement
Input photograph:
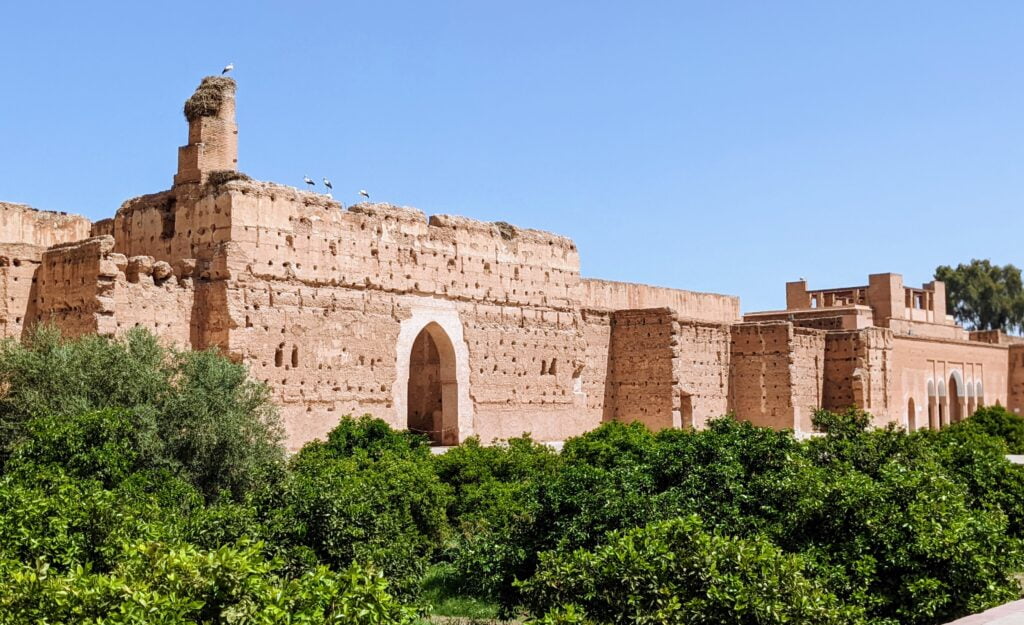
x,y
456,327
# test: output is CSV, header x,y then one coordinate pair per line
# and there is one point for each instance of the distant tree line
x,y
983,296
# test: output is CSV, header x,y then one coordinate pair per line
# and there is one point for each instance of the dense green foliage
x,y
143,485
984,296
194,413
674,572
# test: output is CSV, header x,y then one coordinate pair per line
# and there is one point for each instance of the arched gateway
x,y
433,395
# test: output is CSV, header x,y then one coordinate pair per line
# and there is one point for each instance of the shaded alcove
x,y
911,415
956,395
432,406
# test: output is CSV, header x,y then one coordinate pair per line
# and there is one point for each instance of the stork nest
x,y
219,177
209,97
507,230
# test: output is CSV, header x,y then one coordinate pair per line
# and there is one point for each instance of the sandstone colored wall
x,y
25,233
701,370
916,361
18,264
27,225
807,375
760,373
591,377
187,222
74,287
609,295
341,288
1015,395
85,287
858,371
641,376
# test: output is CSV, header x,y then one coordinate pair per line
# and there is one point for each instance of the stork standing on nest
x,y
364,193
227,68
309,181
327,183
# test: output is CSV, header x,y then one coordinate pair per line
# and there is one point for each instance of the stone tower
x,y
212,132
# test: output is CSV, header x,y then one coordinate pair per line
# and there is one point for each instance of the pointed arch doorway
x,y
432,403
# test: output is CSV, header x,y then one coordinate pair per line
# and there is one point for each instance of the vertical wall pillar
x,y
797,297
886,297
212,132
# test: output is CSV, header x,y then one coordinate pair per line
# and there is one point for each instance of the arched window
x,y
956,397
933,409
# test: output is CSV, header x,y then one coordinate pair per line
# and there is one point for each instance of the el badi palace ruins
x,y
456,327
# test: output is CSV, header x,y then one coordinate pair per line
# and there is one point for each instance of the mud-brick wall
x,y
172,225
75,287
148,294
609,295
324,351
86,288
701,371
525,366
858,367
23,224
641,380
591,386
1015,398
294,236
769,372
18,265
807,373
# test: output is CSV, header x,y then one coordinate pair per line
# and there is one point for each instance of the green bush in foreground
x,y
139,484
195,413
367,494
676,573
161,584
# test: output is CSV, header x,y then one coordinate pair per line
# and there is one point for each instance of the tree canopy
x,y
983,296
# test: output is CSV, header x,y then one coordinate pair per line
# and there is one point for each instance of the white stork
x,y
364,193
309,181
327,183
227,68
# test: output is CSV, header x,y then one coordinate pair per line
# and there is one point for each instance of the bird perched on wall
x,y
227,68
363,193
309,181
327,183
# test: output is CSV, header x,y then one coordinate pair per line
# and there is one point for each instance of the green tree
x,y
984,296
114,406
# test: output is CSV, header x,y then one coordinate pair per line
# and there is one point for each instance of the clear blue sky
x,y
718,146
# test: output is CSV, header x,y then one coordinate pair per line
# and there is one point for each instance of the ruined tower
x,y
212,132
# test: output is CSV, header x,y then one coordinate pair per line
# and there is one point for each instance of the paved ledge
x,y
1007,614
1015,458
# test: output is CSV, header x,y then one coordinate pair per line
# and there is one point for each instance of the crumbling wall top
x,y
20,223
505,230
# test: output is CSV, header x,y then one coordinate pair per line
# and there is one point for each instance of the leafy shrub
x,y
195,413
676,572
68,522
380,504
494,511
166,584
998,422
